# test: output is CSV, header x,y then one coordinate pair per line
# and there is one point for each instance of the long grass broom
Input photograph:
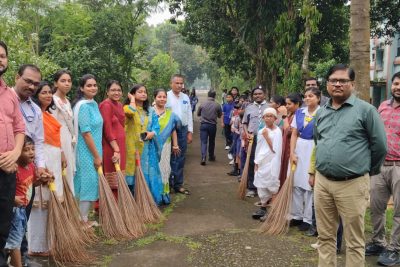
x,y
245,173
278,218
128,207
65,241
110,218
148,208
72,211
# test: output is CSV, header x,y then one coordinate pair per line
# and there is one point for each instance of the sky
x,y
159,16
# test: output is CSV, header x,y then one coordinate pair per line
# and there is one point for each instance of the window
x,y
379,59
398,47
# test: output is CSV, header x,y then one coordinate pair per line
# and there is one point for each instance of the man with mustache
x,y
11,141
387,183
27,81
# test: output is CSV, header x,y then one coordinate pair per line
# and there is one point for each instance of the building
x,y
385,61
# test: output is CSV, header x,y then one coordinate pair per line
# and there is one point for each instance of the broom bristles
x,y
278,218
73,214
143,197
65,241
128,207
109,216
245,173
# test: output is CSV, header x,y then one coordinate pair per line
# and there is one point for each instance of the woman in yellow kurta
x,y
142,127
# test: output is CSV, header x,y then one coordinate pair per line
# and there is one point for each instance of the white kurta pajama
x,y
266,178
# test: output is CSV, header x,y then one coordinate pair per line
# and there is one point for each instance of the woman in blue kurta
x,y
143,121
88,129
168,122
301,146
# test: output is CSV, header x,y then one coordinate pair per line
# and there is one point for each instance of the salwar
x,y
302,204
265,195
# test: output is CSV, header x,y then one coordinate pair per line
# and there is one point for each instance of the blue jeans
x,y
178,162
208,132
18,228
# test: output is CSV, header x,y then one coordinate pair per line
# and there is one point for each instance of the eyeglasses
x,y
30,82
340,81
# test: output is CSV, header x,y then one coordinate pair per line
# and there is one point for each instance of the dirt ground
x,y
211,227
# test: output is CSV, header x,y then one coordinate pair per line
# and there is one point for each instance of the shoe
x,y
230,156
203,161
250,193
294,222
312,231
304,227
232,173
231,162
389,258
211,158
227,147
373,249
315,245
258,214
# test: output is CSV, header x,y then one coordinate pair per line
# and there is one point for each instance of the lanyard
x,y
28,118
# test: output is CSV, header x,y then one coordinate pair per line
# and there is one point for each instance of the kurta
x,y
86,179
65,117
168,121
37,224
113,130
139,121
268,161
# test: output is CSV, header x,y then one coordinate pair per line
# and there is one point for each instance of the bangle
x,y
175,147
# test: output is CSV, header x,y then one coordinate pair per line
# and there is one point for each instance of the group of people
x,y
46,138
344,151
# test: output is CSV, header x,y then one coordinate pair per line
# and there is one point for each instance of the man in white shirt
x,y
180,105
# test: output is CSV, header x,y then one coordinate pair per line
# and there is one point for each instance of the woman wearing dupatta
x,y
88,129
142,128
168,121
37,224
293,102
64,115
113,133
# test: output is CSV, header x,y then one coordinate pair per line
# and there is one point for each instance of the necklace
x,y
159,112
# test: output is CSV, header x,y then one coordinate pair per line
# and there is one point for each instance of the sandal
x,y
183,191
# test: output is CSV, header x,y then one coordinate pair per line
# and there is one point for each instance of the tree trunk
x,y
306,51
274,82
359,46
260,78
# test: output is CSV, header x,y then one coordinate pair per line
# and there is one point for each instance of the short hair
x,y
28,140
350,71
229,94
257,88
311,79
176,76
211,93
22,69
3,44
396,75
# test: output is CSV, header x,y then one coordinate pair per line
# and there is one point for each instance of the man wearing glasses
x,y
11,142
27,81
350,146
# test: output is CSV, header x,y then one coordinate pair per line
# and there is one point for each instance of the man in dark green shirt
x,y
350,145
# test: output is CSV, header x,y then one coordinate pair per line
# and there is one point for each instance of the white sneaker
x,y
315,245
230,156
250,193
227,147
231,162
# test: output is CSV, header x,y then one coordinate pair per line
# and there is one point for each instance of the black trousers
x,y
208,132
228,134
250,181
7,195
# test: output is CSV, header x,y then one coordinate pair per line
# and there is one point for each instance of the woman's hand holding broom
x,y
98,162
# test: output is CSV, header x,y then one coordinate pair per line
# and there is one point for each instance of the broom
x,y
143,197
73,214
65,241
245,174
128,207
110,218
278,218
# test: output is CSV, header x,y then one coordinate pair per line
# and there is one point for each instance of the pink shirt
x,y
11,121
391,119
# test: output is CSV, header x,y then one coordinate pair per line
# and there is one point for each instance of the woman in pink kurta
x,y
113,133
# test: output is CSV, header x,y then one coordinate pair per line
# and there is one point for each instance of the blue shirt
x,y
227,110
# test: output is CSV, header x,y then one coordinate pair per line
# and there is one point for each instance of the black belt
x,y
351,177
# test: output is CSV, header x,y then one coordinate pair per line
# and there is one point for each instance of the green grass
x,y
106,260
389,221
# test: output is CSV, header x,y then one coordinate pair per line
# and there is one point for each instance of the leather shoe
x,y
373,249
259,214
211,158
294,222
312,231
203,161
389,258
304,227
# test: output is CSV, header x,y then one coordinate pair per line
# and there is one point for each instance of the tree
x,y
359,46
161,68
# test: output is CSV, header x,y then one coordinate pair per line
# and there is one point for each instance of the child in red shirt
x,y
26,179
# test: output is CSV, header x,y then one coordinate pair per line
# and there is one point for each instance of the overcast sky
x,y
159,16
